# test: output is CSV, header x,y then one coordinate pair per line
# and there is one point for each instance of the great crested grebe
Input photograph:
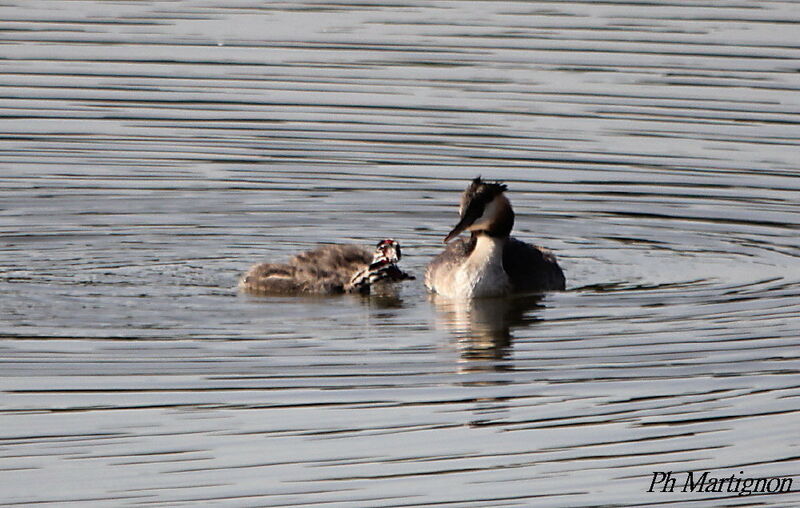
x,y
490,263
329,269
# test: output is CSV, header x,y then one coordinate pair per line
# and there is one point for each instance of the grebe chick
x,y
329,269
490,262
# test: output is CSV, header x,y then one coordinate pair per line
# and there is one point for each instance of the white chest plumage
x,y
482,273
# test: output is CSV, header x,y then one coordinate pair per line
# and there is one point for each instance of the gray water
x,y
151,151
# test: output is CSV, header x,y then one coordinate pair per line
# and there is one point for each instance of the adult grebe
x,y
329,269
490,263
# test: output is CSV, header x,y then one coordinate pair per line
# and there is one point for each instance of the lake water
x,y
151,151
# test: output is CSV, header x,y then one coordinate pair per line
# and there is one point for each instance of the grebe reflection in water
x,y
483,327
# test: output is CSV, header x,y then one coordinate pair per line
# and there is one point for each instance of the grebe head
x,y
484,210
388,250
383,267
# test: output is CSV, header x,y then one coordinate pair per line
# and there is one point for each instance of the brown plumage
x,y
329,269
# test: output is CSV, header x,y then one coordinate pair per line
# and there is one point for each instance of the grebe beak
x,y
471,214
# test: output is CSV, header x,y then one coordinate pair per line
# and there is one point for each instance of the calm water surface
x,y
151,151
